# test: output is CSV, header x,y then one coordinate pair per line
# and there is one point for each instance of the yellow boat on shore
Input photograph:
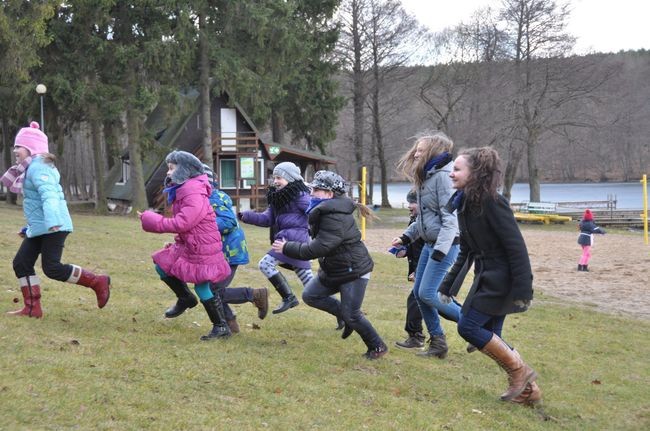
x,y
541,218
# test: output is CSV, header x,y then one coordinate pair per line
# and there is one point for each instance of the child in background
x,y
586,238
288,199
196,255
235,251
413,325
48,223
345,264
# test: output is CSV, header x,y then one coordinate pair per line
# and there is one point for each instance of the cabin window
x,y
126,172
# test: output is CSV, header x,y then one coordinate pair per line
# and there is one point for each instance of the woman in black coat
x,y
503,279
345,264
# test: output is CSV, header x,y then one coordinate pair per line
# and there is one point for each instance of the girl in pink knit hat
x,y
586,238
48,223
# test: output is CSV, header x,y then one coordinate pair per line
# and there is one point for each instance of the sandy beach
x,y
618,280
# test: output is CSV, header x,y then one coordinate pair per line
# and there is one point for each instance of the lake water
x,y
627,195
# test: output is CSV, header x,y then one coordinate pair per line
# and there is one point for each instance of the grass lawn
x,y
125,367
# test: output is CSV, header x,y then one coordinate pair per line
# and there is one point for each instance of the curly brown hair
x,y
485,177
437,143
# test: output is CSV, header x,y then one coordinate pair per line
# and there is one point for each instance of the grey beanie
x,y
412,196
288,171
328,180
187,166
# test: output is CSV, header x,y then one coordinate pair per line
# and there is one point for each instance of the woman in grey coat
x,y
428,164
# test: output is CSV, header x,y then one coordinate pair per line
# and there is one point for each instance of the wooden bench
x,y
541,208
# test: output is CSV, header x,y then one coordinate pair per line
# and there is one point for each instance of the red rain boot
x,y
31,296
101,284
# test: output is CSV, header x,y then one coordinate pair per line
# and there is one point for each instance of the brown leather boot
x,y
530,397
31,291
261,301
101,284
233,325
519,374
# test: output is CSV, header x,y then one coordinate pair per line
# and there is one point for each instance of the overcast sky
x,y
599,25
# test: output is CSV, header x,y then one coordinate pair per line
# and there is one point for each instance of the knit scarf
x,y
15,176
438,162
457,200
171,192
313,203
279,199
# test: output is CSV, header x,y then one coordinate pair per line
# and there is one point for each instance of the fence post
x,y
363,202
644,182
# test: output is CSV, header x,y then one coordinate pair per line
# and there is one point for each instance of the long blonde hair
x,y
437,143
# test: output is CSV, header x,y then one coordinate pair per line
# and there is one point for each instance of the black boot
x,y
214,308
584,268
186,299
347,331
437,347
281,285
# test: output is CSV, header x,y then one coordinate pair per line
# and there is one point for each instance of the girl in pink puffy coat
x,y
195,256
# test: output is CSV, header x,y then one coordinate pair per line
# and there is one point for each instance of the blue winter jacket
x,y
44,204
232,236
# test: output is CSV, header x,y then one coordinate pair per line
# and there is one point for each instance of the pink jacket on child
x,y
195,256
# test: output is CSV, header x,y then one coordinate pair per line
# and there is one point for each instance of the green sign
x,y
274,150
247,167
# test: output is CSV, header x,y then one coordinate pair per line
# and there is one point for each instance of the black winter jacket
x,y
336,242
491,240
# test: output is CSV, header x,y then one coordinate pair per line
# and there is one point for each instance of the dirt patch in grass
x,y
619,270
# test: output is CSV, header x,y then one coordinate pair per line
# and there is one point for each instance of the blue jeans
x,y
477,328
317,295
428,276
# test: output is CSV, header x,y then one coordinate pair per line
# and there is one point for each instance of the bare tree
x,y
393,37
352,53
537,31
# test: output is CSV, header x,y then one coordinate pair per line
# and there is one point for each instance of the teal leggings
x,y
202,289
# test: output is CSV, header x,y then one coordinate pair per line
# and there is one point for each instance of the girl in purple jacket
x,y
288,200
195,256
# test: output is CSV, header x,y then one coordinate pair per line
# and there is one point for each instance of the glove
x,y
240,216
444,299
438,256
23,232
522,303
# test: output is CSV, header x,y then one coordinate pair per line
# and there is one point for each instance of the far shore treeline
x,y
353,79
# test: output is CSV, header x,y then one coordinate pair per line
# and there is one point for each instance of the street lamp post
x,y
41,90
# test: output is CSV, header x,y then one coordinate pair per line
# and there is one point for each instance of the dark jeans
x,y
317,295
50,247
413,316
227,297
231,295
477,328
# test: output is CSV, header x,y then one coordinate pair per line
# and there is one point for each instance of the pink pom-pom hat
x,y
33,139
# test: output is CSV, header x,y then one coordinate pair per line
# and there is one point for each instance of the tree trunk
x,y
379,140
204,66
515,154
98,156
138,193
8,154
358,86
277,126
533,171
